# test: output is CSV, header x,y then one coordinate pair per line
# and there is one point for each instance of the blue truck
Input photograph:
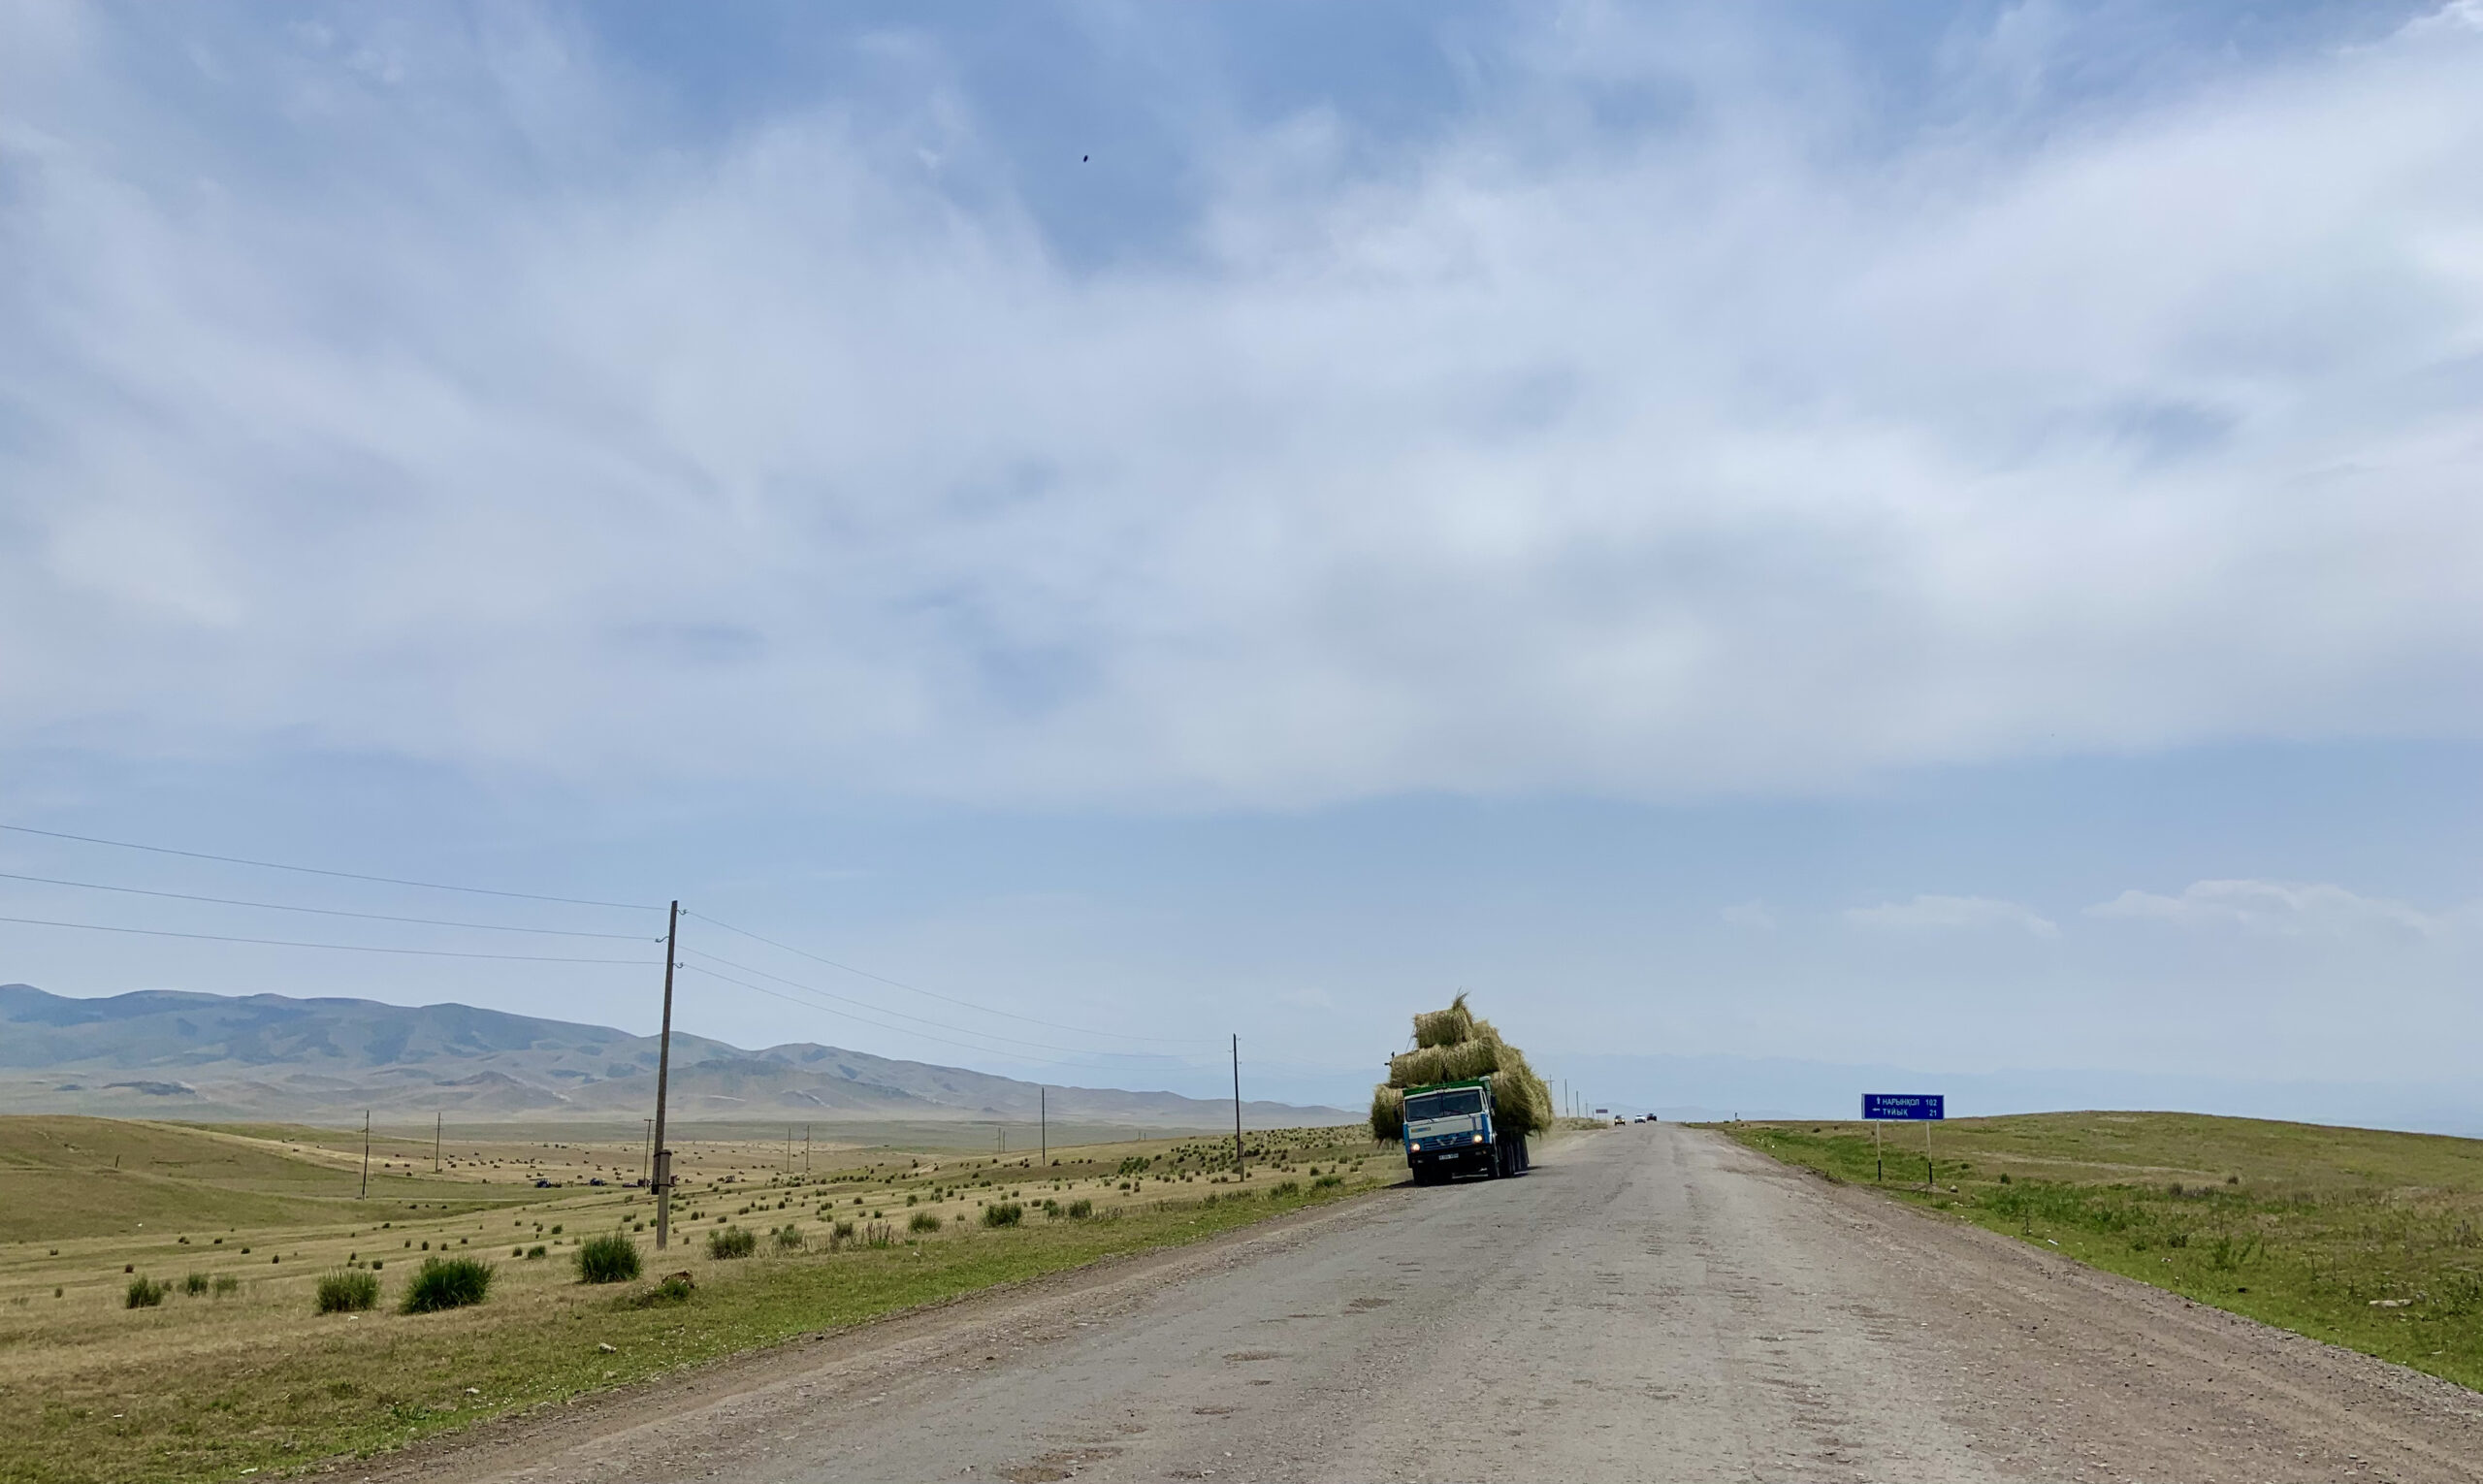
x,y
1450,1130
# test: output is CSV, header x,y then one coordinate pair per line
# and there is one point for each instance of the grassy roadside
x,y
2362,1238
204,1387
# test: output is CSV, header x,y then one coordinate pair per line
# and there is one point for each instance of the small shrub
x,y
347,1292
841,1231
609,1259
1081,1209
924,1221
1283,1188
731,1242
145,1293
675,1288
1003,1213
227,1285
517,1251
194,1285
535,1251
879,1233
788,1239
447,1282
1327,1182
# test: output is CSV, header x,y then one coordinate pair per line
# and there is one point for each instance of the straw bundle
x,y
1444,1027
1518,1098
1387,1114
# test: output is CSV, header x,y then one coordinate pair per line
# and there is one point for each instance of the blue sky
x,y
1939,537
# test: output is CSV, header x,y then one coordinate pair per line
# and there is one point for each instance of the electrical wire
x,y
347,948
327,912
1051,1061
988,1010
277,865
883,1009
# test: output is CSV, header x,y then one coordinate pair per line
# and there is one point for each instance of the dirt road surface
x,y
1651,1303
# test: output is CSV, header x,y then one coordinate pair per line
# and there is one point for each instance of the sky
x,y
1937,537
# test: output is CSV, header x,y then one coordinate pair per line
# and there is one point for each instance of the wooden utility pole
x,y
1236,1104
437,1119
366,1153
1042,1124
663,1177
806,1151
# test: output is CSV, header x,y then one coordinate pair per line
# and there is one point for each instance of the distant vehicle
x,y
1620,1123
597,1181
1450,1130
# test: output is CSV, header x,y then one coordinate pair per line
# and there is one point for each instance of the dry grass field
x,y
234,1369
2360,1237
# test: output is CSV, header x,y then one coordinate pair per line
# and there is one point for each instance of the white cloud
x,y
384,407
1950,914
1750,915
2285,908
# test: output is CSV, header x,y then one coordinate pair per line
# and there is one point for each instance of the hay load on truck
x,y
1462,1101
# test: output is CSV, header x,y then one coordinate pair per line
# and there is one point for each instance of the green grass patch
x,y
2362,1238
447,1282
347,1292
611,1258
731,1242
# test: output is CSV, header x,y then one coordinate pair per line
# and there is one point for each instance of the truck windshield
x,y
1446,1104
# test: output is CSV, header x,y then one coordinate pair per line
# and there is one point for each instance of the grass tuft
x,y
346,1292
447,1282
145,1293
1003,1213
731,1242
608,1259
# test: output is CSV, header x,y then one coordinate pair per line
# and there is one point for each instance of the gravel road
x,y
1651,1303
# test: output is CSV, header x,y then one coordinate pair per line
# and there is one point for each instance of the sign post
x,y
1925,1108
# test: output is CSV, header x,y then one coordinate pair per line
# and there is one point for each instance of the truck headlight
x,y
1416,1144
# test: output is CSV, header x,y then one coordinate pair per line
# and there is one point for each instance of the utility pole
x,y
806,1151
1236,1104
1042,1124
647,1169
789,1149
366,1153
435,1117
663,1156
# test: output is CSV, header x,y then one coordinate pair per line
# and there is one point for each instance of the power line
x,y
277,865
347,948
325,912
901,1030
847,968
883,1009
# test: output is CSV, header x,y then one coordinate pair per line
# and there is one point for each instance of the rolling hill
x,y
177,1055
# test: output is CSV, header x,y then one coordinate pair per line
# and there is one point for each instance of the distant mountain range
x,y
174,1054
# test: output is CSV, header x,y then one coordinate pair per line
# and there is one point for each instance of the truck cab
x,y
1450,1131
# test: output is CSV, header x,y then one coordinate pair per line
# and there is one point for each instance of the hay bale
x,y
1387,1114
1452,1046
1426,1065
1444,1027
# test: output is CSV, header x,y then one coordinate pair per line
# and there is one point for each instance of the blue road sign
x,y
1905,1105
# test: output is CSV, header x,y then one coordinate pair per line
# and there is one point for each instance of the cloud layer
x,y
1654,426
